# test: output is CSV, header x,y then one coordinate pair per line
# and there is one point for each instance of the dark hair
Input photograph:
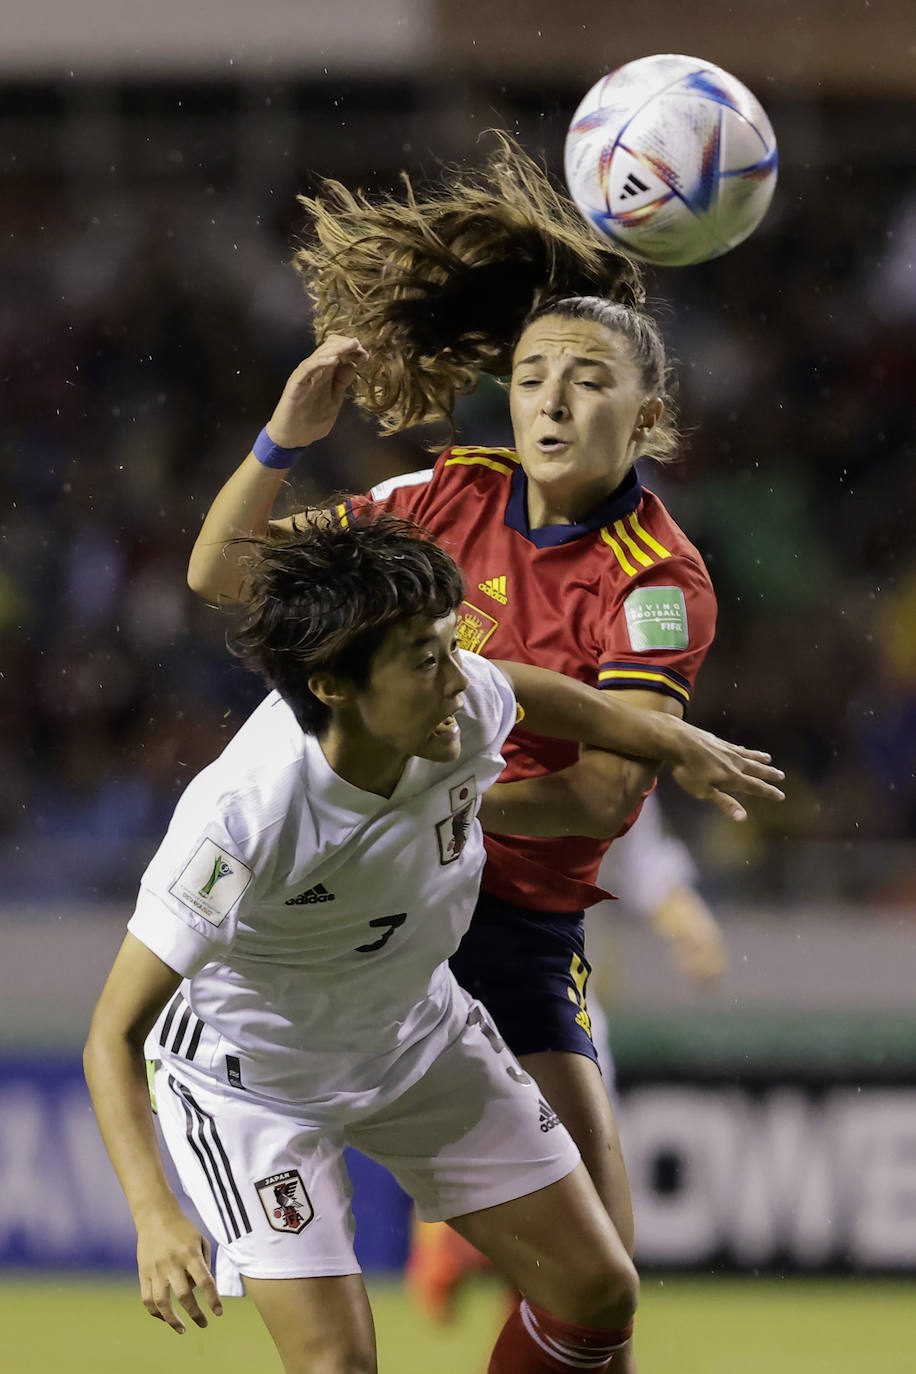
x,y
648,351
325,595
436,285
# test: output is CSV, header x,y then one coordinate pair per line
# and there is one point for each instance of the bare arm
x,y
306,412
171,1253
593,797
702,764
240,510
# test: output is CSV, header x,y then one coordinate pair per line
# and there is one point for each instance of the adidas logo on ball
x,y
318,893
672,159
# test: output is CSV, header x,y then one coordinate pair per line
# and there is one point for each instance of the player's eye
x,y
528,382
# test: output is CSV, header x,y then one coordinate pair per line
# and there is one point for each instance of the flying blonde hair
x,y
437,286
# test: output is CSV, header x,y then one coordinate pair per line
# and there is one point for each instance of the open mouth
x,y
447,729
551,443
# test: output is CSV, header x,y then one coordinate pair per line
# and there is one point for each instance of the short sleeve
x,y
490,702
191,896
403,495
505,708
659,629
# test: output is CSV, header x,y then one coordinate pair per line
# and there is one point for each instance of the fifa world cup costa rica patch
x,y
656,619
211,882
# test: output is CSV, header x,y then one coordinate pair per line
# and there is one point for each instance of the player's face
x,y
415,687
578,405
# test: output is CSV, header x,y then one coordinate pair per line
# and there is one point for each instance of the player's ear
x,y
650,414
332,691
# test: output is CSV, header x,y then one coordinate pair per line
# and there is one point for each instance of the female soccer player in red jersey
x,y
569,562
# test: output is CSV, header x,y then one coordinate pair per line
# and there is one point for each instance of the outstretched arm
x,y
306,412
707,767
594,796
171,1252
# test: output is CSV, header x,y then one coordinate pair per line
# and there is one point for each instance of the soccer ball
x,y
672,159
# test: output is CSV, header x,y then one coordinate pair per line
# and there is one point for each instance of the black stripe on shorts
x,y
203,1138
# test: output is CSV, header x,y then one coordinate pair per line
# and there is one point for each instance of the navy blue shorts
x,y
529,970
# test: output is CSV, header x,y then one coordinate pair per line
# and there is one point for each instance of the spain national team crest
x,y
452,833
474,627
286,1204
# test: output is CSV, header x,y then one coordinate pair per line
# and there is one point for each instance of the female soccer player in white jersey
x,y
569,562
286,969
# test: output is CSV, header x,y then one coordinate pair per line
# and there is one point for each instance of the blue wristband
x,y
271,455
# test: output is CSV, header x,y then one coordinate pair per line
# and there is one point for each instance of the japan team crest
x,y
286,1204
452,833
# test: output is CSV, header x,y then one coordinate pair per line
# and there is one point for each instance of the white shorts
x,y
273,1189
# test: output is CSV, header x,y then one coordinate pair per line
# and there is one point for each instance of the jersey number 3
x,y
390,924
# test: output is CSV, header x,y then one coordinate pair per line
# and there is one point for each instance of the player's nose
x,y
554,404
457,685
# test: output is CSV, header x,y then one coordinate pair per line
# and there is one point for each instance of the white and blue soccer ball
x,y
672,159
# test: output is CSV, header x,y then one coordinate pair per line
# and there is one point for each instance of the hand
x,y
693,933
711,769
173,1257
312,397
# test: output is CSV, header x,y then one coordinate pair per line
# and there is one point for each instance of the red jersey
x,y
622,601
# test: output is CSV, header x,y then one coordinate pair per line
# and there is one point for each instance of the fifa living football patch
x,y
211,882
656,618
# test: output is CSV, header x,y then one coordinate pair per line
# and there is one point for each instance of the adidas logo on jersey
x,y
495,587
318,893
548,1117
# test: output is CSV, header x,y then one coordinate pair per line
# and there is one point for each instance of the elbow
x,y
194,580
106,1044
200,580
638,784
91,1051
614,800
205,582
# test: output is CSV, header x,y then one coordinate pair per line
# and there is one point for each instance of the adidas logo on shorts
x,y
547,1115
318,893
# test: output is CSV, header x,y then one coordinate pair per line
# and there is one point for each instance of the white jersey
x,y
311,920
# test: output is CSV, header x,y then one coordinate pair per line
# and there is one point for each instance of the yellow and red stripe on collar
x,y
633,547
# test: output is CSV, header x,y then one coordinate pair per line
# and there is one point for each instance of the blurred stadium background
x,y
149,161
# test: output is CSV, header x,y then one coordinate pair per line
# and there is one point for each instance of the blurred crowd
x,y
145,332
